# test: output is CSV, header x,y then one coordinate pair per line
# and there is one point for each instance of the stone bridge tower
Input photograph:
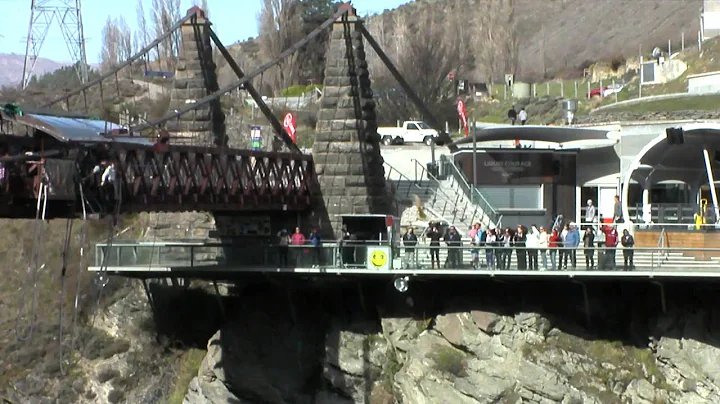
x,y
195,78
346,151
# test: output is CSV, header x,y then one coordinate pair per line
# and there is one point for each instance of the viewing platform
x,y
223,261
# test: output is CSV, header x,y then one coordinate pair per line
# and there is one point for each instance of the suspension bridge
x,y
60,163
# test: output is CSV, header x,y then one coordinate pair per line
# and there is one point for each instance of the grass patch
x,y
449,360
615,362
389,370
187,367
102,345
700,103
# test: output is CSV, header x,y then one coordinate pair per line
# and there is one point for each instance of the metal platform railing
x,y
146,256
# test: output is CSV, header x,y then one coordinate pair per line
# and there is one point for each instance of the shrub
x,y
449,360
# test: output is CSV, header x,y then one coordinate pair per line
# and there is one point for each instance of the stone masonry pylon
x,y
346,151
195,78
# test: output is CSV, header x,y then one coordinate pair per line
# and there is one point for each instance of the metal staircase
x,y
439,197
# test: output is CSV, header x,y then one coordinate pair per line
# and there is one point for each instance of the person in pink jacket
x,y
297,240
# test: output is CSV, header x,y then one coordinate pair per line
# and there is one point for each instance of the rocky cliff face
x,y
318,345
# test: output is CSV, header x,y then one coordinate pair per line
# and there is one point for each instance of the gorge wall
x,y
462,342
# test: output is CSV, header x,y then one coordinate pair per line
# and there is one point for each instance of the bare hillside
x,y
577,31
552,37
11,68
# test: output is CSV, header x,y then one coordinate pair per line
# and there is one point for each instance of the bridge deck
x,y
225,271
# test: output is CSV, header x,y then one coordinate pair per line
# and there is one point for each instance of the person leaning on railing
x,y
589,244
410,242
611,242
628,242
505,252
572,242
283,247
520,243
434,236
554,241
316,242
454,243
297,240
490,244
543,240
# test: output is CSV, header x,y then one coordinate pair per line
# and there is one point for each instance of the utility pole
x,y
69,17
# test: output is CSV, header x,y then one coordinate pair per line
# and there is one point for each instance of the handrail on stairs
x,y
473,194
447,203
482,216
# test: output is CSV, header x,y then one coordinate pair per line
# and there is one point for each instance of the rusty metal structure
x,y
61,152
57,154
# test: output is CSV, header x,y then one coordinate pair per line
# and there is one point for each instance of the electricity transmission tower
x,y
67,14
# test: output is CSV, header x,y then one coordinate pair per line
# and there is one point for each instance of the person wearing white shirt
x,y
108,176
543,246
532,245
490,241
563,245
590,214
522,116
108,181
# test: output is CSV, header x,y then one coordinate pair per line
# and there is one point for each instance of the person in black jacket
x,y
589,243
519,242
410,241
434,236
512,115
454,242
628,242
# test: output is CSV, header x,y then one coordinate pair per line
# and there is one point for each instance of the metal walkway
x,y
221,260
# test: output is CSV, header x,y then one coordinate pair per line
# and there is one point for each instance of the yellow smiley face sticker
x,y
378,258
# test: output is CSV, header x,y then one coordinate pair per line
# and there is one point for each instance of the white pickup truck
x,y
409,132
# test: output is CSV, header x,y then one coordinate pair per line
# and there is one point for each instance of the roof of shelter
x,y
540,133
68,129
688,156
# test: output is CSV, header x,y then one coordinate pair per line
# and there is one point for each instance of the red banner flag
x,y
289,125
463,115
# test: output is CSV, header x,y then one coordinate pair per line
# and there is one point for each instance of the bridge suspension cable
x,y
217,94
81,269
34,266
78,285
144,51
63,270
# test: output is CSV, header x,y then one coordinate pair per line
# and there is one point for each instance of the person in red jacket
x,y
553,243
611,241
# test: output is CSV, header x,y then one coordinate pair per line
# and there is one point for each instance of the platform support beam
x,y
219,300
663,302
149,295
586,300
362,297
291,303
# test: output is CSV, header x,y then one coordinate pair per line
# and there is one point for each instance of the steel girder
x,y
187,178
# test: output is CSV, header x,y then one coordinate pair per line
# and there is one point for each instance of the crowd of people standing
x,y
534,248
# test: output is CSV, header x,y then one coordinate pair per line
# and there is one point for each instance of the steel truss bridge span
x,y
177,179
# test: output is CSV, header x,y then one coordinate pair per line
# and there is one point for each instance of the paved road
x,y
401,157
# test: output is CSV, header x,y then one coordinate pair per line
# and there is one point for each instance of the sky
x,y
233,20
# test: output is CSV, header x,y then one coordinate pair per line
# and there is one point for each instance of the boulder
x,y
354,358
